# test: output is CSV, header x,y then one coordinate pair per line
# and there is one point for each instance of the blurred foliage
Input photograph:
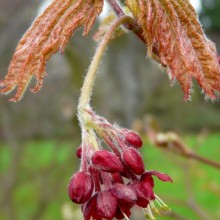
x,y
195,184
210,14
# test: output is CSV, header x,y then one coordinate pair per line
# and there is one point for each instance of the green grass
x,y
205,180
45,167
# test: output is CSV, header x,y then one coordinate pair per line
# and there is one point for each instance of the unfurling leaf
x,y
172,31
49,33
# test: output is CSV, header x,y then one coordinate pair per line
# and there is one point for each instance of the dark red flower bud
x,y
133,160
117,178
107,161
89,208
79,152
80,187
133,139
124,193
106,205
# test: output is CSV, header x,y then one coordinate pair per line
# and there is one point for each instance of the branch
x,y
172,142
204,160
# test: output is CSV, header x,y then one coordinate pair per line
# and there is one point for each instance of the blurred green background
x,y
39,135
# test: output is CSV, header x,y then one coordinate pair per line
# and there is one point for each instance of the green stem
x,y
91,74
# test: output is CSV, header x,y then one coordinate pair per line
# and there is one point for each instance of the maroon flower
x,y
89,208
125,208
119,214
80,187
133,139
113,181
133,160
145,191
126,197
106,205
124,193
117,178
79,152
143,199
162,176
107,161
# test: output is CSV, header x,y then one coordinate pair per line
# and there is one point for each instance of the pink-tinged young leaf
x,y
173,32
49,33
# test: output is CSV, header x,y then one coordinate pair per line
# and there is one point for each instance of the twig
x,y
204,160
172,142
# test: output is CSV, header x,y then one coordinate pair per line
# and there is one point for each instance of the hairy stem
x,y
91,74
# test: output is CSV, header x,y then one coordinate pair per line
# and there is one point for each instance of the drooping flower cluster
x,y
113,179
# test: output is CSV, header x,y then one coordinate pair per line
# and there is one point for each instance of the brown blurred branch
x,y
172,142
204,160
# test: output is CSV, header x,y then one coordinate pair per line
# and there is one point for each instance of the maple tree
x,y
114,181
